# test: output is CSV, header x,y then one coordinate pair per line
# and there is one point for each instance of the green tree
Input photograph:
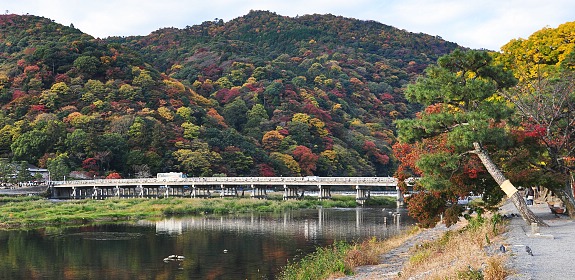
x,y
30,146
23,175
197,161
235,113
238,164
255,117
78,143
59,167
464,115
7,171
144,79
87,64
111,151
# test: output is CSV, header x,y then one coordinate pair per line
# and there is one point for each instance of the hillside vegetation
x,y
260,95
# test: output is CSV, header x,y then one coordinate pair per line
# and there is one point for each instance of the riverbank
x,y
32,212
467,250
466,253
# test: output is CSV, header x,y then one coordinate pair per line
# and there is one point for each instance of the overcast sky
x,y
476,24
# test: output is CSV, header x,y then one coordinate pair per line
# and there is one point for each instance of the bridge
x,y
293,187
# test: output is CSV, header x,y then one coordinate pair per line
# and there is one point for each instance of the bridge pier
x,y
228,191
201,191
166,191
259,192
290,192
362,194
324,192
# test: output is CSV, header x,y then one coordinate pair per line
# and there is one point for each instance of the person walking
x,y
530,195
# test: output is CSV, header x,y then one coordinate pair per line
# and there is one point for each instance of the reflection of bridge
x,y
325,223
227,186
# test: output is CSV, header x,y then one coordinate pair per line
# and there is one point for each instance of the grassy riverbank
x,y
20,212
469,253
341,258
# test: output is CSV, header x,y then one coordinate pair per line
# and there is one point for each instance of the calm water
x,y
253,246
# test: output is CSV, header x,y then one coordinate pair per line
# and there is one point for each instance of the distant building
x,y
171,175
33,170
37,170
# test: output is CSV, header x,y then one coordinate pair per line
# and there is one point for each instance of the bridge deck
x,y
201,186
269,181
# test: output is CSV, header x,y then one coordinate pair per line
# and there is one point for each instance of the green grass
x,y
321,264
11,198
41,212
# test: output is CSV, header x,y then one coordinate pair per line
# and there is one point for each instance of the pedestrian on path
x,y
530,195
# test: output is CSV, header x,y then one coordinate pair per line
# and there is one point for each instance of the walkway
x,y
553,248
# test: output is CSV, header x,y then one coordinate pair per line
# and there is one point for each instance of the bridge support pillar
x,y
259,192
290,192
362,194
201,191
324,192
95,193
229,191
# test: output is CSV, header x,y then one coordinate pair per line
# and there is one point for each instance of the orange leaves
x,y
216,117
434,108
114,175
271,140
407,155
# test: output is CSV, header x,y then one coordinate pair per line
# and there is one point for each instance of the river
x,y
248,246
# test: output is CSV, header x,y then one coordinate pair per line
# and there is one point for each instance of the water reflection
x,y
339,224
252,246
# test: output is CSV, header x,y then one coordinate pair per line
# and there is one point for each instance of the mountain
x,y
261,95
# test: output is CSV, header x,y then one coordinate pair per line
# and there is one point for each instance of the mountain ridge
x,y
261,94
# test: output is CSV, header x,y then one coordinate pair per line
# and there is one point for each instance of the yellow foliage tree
x,y
541,53
166,113
289,162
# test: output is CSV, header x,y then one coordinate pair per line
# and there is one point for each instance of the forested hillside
x,y
259,95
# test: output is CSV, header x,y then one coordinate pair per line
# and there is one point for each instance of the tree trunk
x,y
566,196
507,187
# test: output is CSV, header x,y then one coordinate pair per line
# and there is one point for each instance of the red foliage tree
x,y
373,152
90,164
306,159
266,170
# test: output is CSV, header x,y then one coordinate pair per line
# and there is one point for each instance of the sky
x,y
478,24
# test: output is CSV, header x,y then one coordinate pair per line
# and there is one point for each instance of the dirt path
x,y
391,263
